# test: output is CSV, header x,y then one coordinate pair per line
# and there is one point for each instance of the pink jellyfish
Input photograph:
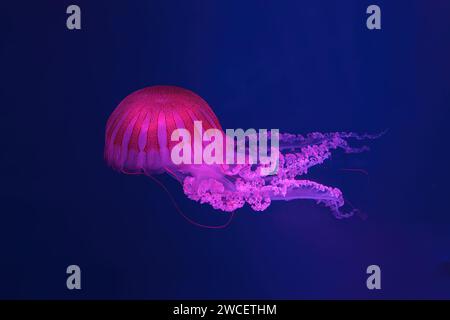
x,y
138,140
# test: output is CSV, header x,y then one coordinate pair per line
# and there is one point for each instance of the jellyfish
x,y
138,140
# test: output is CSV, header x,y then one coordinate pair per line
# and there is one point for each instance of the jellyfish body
x,y
138,140
138,131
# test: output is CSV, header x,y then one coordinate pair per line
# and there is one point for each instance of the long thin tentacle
x,y
175,204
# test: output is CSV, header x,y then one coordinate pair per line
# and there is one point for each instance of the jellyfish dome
x,y
139,140
138,131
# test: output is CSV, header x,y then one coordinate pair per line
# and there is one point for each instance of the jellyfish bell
x,y
139,140
138,131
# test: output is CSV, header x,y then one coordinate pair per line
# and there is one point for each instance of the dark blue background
x,y
295,65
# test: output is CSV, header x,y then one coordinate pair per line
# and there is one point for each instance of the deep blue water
x,y
299,66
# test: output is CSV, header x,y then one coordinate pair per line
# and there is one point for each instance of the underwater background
x,y
299,66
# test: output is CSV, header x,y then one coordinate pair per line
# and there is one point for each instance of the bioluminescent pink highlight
x,y
138,140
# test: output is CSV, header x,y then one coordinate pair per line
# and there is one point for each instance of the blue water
x,y
299,66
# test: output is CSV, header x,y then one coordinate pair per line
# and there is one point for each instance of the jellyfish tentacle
x,y
209,190
332,140
298,154
195,223
306,189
